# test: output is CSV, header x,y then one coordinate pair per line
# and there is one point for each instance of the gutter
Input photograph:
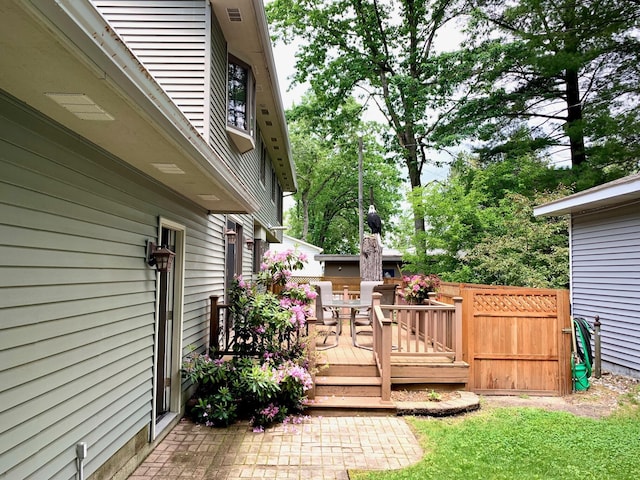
x,y
265,38
82,28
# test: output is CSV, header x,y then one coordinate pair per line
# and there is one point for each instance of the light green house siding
x,y
177,41
77,302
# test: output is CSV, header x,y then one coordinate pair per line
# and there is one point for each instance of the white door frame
x,y
175,401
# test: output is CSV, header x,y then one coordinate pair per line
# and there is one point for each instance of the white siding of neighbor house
x,y
312,268
77,302
170,39
605,250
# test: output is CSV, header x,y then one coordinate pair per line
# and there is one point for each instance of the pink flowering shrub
x,y
268,376
277,267
416,287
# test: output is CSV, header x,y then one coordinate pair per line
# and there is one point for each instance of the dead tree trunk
x,y
371,259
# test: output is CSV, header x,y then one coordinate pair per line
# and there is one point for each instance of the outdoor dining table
x,y
353,304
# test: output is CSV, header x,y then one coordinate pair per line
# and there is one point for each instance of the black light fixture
x,y
231,236
160,256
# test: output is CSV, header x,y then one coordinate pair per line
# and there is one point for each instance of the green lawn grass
x,y
524,443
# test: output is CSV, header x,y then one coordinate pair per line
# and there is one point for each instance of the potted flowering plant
x,y
416,287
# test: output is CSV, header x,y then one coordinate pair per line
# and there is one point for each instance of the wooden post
x,y
384,356
313,333
214,324
457,302
597,364
375,302
431,297
371,259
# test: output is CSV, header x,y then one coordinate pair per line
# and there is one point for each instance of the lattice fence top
x,y
516,302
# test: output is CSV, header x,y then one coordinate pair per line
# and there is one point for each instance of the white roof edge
x,y
604,195
263,25
136,83
302,242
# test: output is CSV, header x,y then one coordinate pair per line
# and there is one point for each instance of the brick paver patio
x,y
320,448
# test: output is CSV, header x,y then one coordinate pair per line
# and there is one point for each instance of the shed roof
x,y
343,258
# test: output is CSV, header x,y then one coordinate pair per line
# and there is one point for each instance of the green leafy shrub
x,y
267,378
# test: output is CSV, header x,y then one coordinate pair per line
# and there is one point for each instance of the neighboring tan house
x,y
604,255
349,265
313,268
124,123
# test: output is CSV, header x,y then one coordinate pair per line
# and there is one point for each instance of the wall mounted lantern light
x,y
160,256
249,243
231,236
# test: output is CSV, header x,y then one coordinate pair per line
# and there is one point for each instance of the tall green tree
x,y
384,50
482,229
326,210
565,70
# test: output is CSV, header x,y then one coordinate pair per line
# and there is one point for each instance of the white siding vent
x,y
234,14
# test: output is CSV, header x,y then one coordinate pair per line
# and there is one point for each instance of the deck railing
x,y
221,334
419,331
225,340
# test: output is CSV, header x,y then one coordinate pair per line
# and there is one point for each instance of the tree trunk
x,y
574,127
371,259
305,218
412,162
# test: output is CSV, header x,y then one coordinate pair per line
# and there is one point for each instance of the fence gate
x,y
515,342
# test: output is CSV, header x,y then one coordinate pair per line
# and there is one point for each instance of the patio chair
x,y
388,291
362,316
327,316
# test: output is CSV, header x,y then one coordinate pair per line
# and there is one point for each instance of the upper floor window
x,y
241,104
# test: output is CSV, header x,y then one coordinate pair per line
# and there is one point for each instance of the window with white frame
x,y
241,92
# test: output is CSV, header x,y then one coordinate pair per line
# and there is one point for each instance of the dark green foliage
x,y
482,228
385,52
326,156
566,72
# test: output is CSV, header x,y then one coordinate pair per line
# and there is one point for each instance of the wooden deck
x,y
347,354
348,378
435,368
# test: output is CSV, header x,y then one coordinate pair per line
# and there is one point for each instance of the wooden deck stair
x,y
347,382
348,389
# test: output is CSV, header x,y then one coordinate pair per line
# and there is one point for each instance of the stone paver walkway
x,y
321,448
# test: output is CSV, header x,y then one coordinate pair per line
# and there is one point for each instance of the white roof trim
x,y
83,25
617,192
297,241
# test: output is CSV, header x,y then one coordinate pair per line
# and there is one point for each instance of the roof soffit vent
x,y
234,14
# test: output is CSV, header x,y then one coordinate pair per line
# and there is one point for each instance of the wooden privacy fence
x,y
515,339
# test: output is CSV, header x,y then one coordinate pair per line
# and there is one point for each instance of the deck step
x,y
336,369
338,406
340,386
